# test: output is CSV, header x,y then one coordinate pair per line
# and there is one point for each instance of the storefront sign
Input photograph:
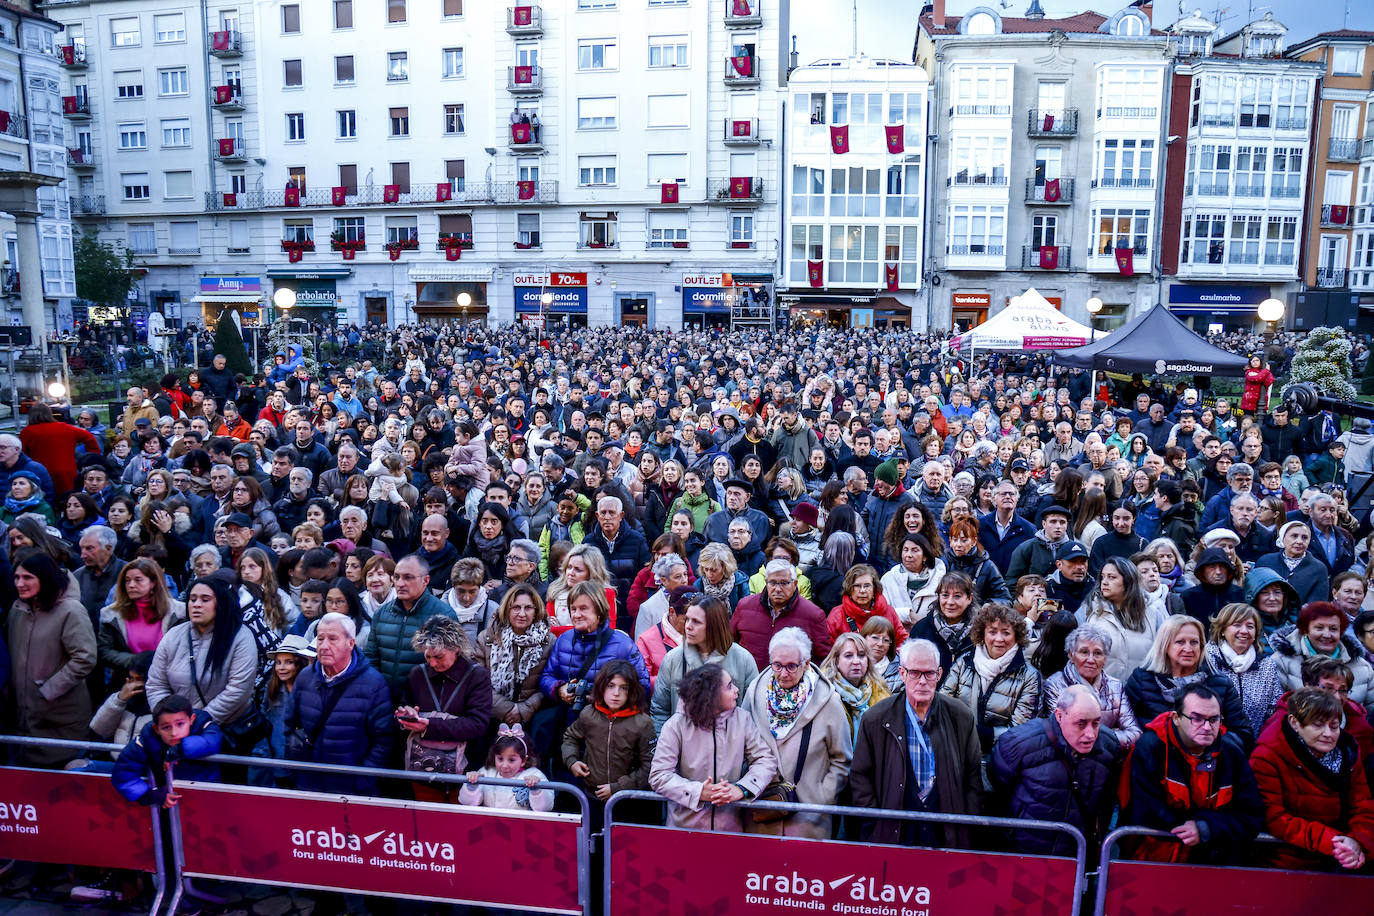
x,y
249,287
312,293
453,853
714,281
972,300
566,300
1186,294
73,818
696,299
556,279
654,869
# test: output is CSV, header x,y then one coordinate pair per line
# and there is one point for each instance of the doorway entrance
x,y
376,310
634,311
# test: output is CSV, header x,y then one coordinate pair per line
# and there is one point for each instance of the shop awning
x,y
310,273
1199,308
228,298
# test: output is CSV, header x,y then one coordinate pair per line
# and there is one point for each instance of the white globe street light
x,y
1094,305
57,391
284,298
1270,310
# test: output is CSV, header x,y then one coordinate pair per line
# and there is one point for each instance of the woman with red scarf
x,y
863,598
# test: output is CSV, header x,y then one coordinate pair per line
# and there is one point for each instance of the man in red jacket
x,y
760,616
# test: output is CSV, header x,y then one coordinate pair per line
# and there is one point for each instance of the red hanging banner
x,y
667,193
1125,261
452,253
741,128
337,195
68,54
524,75
1051,190
522,15
1340,213
525,190
896,138
1049,257
226,146
223,94
839,139
443,192
69,104
292,198
743,65
348,253
814,273
394,252
294,254
220,41
1047,124
520,133
890,277
741,188
231,200
391,193
740,8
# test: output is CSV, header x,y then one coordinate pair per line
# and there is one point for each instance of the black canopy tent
x,y
1156,343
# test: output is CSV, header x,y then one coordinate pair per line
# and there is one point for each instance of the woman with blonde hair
x,y
582,564
719,576
1234,651
1177,661
854,676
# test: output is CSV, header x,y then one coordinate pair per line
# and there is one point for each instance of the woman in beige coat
x,y
52,650
800,713
710,754
515,648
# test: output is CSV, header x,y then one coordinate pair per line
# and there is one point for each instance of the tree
x,y
229,341
103,274
1323,358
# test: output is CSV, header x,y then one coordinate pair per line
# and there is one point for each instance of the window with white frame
x,y
669,111
1251,170
856,108
298,230
982,89
596,113
596,4
527,230
176,132
667,167
1362,259
1120,227
173,82
980,160
667,50
133,135
397,66
903,247
1256,102
1126,163
597,230
351,228
903,190
1281,240
808,191
128,84
169,27
184,236
1128,92
454,120
1365,186
295,126
527,169
1213,170
667,228
238,182
1287,172
143,238
856,191
293,75
1347,61
1219,101
177,185
343,69
1044,231
399,119
741,228
597,54
1290,111
855,254
812,102
1244,247
291,18
135,185
807,244
395,10
238,236
596,171
124,32
348,124
977,229
1049,164
452,63
402,229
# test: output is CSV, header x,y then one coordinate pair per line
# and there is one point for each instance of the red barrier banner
x,y
73,818
1157,889
344,843
660,870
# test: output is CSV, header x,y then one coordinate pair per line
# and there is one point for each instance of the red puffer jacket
x,y
1308,806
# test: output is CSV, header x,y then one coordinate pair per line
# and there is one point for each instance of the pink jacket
x,y
686,756
471,460
654,643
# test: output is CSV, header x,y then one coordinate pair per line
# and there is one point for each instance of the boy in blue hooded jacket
x,y
179,737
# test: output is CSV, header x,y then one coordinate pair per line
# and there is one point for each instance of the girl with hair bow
x,y
510,758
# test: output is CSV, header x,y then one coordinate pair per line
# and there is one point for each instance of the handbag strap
x,y
195,678
801,756
440,706
601,643
326,710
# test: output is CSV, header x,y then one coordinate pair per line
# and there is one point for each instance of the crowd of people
x,y
826,567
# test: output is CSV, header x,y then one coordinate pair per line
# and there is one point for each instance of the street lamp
x,y
1094,305
284,298
464,300
57,391
1270,311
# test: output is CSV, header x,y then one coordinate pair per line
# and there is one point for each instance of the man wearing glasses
x,y
1191,777
918,751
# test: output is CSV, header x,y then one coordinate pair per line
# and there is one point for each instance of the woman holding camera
x,y
579,653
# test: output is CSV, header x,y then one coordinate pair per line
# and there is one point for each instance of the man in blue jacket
x,y
1002,530
340,712
624,549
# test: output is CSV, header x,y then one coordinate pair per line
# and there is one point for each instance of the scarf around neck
x,y
1238,663
988,668
785,704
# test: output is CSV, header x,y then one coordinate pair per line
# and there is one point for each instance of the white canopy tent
x,y
1030,322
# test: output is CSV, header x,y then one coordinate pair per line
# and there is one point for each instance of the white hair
x,y
309,475
352,512
207,549
664,566
780,566
610,502
105,535
12,441
343,621
906,654
791,638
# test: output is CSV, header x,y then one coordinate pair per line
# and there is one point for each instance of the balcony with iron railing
x,y
499,193
996,111
742,70
227,98
526,138
1330,278
1124,184
1035,193
1335,216
225,43
72,55
80,159
1343,149
88,204
230,149
732,192
76,107
742,14
524,21
981,256
1054,257
592,244
14,125
741,131
963,179
1052,123
525,80
1130,112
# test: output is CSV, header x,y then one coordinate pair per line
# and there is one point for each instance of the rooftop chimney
x,y
937,16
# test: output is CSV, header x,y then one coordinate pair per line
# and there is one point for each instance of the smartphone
x,y
407,718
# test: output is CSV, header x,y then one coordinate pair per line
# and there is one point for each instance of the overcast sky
x,y
887,28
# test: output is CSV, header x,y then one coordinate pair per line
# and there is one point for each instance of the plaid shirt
x,y
922,756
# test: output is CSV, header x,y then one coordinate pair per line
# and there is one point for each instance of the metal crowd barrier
x,y
833,892
410,815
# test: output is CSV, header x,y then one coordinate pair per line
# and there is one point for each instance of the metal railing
x,y
230,149
517,83
478,192
225,43
1052,122
1030,258
535,25
72,55
1129,111
1343,149
749,63
750,14
977,181
967,251
722,191
1124,183
14,125
1035,193
1331,278
741,130
88,204
80,159
1335,215
994,110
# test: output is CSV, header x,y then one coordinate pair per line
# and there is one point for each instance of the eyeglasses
x,y
1199,720
919,675
780,668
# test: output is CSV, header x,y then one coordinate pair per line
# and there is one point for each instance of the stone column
x,y
19,198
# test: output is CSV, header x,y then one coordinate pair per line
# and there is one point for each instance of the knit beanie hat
x,y
887,472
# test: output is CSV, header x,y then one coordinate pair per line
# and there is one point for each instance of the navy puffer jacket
x,y
569,656
630,555
389,649
357,732
1032,764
